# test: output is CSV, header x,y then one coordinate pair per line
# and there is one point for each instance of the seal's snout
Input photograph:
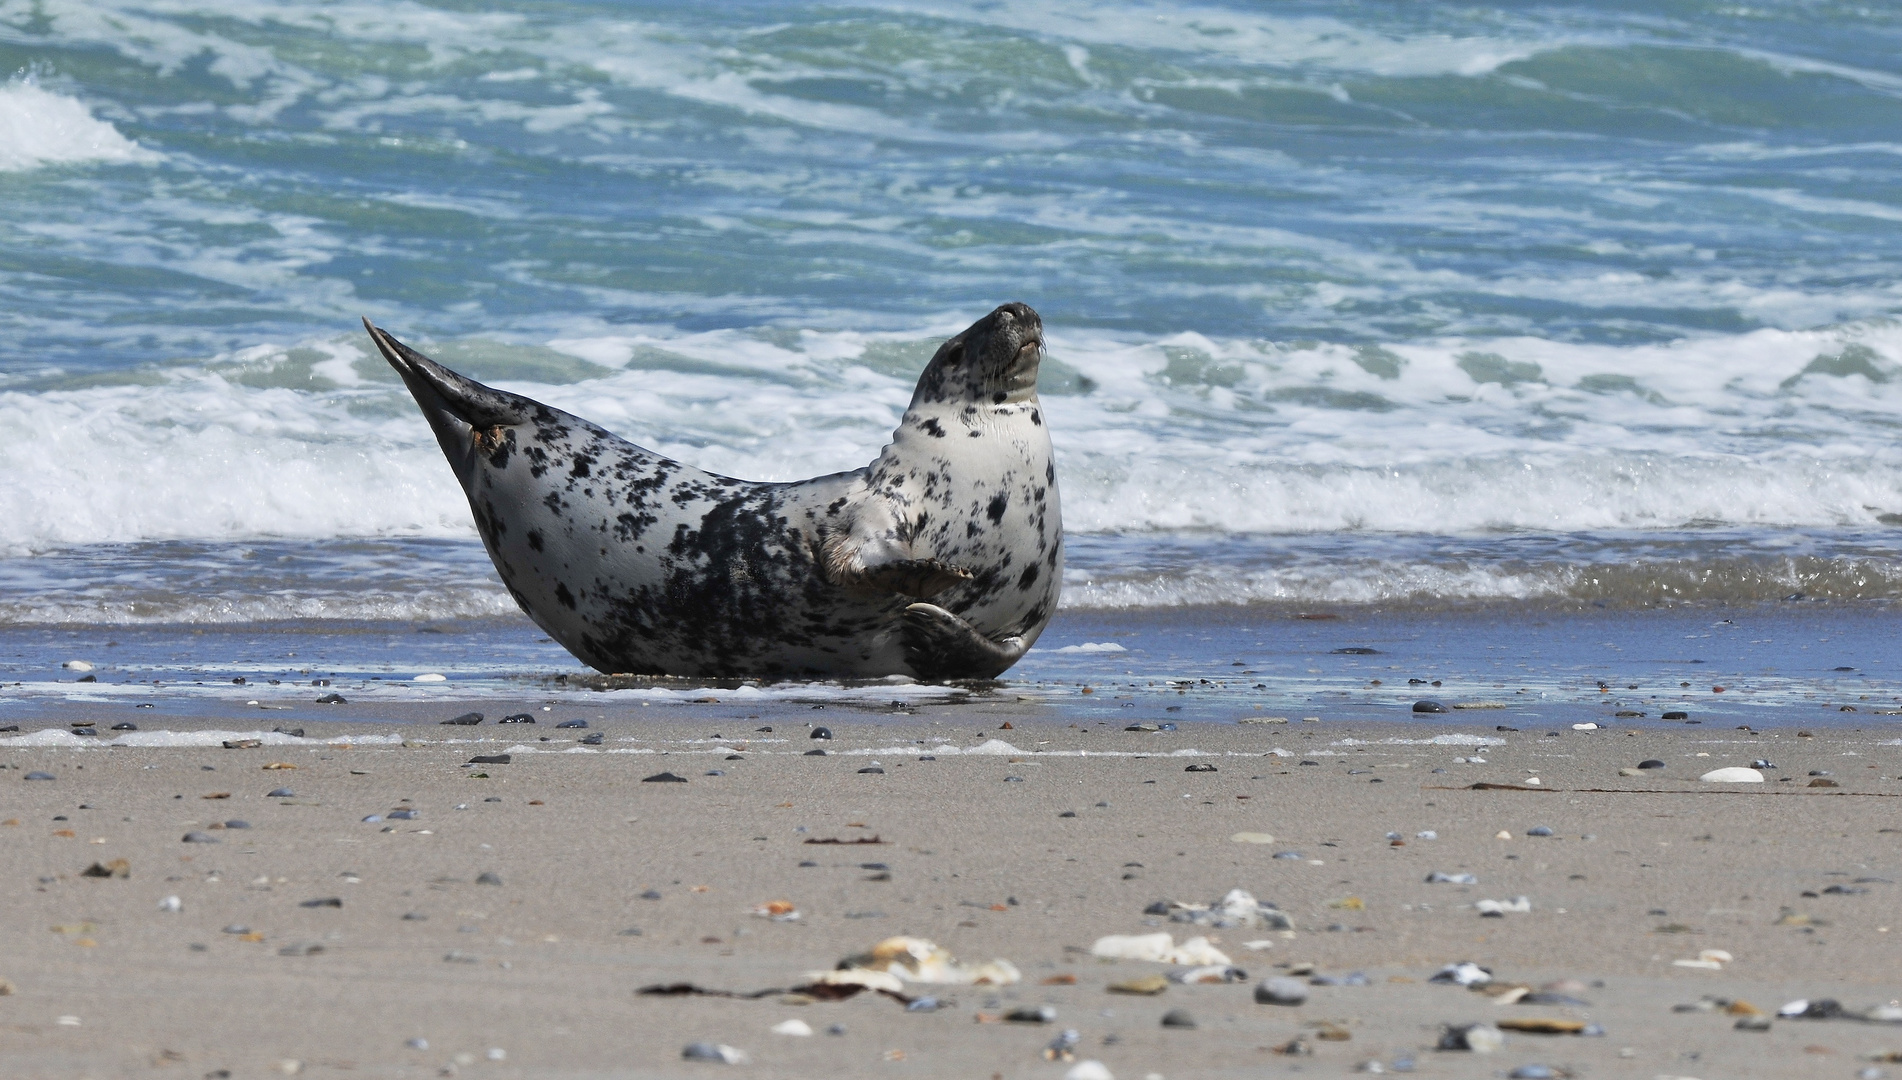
x,y
459,409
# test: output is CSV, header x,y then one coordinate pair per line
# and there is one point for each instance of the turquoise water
x,y
1349,303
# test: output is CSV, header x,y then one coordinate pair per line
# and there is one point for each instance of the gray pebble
x,y
1013,779
195,837
923,1004
595,739
1289,855
1539,830
820,733
572,724
488,877
236,824
282,793
1031,1014
664,778
1532,1072
1424,706
1178,1018
1280,990
875,770
39,776
1650,763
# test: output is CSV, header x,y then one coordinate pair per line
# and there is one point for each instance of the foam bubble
x,y
39,127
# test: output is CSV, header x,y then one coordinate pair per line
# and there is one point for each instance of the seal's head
x,y
992,362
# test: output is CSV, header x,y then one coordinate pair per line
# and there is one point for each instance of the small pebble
x,y
572,724
1031,1014
820,733
468,719
1203,767
1532,1072
125,727
517,718
815,753
39,776
200,838
488,877
922,1004
1539,830
1425,706
1289,855
1013,779
872,769
282,793
664,778
1650,763
1280,990
594,740
236,824
1178,1018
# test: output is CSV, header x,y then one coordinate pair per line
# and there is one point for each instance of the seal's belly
x,y
638,564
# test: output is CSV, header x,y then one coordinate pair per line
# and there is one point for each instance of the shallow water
x,y
1355,304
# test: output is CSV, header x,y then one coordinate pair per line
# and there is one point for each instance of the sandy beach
x,y
317,942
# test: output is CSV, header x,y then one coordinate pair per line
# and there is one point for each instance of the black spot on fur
x,y
562,594
583,465
999,397
934,428
1029,577
535,539
995,511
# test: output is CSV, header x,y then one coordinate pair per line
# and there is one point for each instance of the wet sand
x,y
545,966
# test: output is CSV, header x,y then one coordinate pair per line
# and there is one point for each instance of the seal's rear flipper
x,y
939,645
457,408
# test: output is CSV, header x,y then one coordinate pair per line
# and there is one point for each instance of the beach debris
x,y
1202,767
1707,960
117,868
1031,1014
1823,781
278,766
171,904
572,724
1148,985
720,1052
332,699
77,665
1464,973
195,837
1208,973
777,911
1280,990
663,778
792,1027
491,759
1735,774
1063,1047
1159,947
1539,830
1355,650
243,744
1252,838
1535,1072
323,901
39,776
1498,909
595,739
1237,909
1089,1070
1479,1038
125,726
281,793
305,948
430,676
517,718
1425,706
919,960
855,840
1540,1025
1439,878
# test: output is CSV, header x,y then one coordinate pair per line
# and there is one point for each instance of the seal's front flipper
x,y
939,645
914,577
461,411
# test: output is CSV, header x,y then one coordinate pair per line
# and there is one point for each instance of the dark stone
x,y
468,719
594,740
572,724
815,753
517,718
491,759
488,877
332,699
295,733
1178,1018
820,733
282,793
237,824
125,727
1201,767
872,769
1650,763
664,778
1677,714
323,901
1425,706
199,838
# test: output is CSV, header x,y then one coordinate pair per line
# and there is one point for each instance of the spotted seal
x,y
941,559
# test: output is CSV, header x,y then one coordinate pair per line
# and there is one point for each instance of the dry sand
x,y
545,966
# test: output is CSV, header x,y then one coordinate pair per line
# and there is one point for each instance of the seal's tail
x,y
456,407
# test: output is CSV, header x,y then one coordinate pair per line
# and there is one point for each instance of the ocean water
x,y
1351,306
